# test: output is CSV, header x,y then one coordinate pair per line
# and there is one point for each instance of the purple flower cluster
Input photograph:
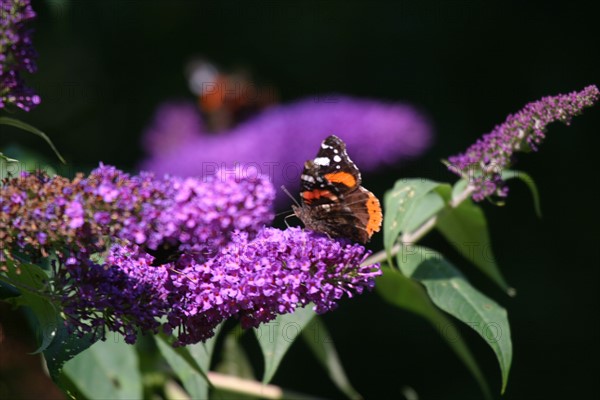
x,y
279,140
229,264
124,293
16,54
275,273
251,279
484,161
74,218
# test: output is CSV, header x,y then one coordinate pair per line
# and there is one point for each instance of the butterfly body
x,y
333,201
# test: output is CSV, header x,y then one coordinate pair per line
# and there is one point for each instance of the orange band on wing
x,y
375,215
317,194
341,177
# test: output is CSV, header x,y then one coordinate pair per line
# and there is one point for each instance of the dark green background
x,y
105,65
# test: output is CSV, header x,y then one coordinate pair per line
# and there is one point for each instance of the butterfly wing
x,y
333,202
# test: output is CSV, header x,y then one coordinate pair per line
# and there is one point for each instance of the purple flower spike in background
x,y
278,141
485,160
16,54
175,124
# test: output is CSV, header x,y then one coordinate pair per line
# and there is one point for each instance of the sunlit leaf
x,y
408,205
276,337
190,363
235,361
107,370
7,159
31,281
465,227
451,292
65,346
407,294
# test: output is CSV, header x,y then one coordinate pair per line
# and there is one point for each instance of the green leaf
x,y
445,191
64,347
27,161
407,294
429,205
465,227
7,159
276,337
511,174
202,352
31,129
318,339
451,292
407,206
7,290
190,363
107,370
458,188
32,282
235,361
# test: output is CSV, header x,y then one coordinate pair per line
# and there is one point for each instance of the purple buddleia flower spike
x,y
253,280
275,273
191,214
124,294
230,264
483,162
16,54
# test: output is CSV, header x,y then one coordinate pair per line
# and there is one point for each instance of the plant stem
x,y
253,388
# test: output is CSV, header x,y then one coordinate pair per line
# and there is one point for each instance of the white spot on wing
x,y
337,158
324,146
307,178
322,161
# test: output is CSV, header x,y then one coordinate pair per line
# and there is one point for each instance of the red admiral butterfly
x,y
333,202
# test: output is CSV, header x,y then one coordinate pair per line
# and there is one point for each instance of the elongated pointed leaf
x,y
429,205
32,281
235,361
107,370
465,227
7,159
190,363
408,205
276,337
202,352
64,347
459,188
193,382
7,290
451,292
318,339
511,174
31,129
407,294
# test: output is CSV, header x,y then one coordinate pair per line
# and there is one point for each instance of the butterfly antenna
x,y
290,195
184,274
286,218
281,213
